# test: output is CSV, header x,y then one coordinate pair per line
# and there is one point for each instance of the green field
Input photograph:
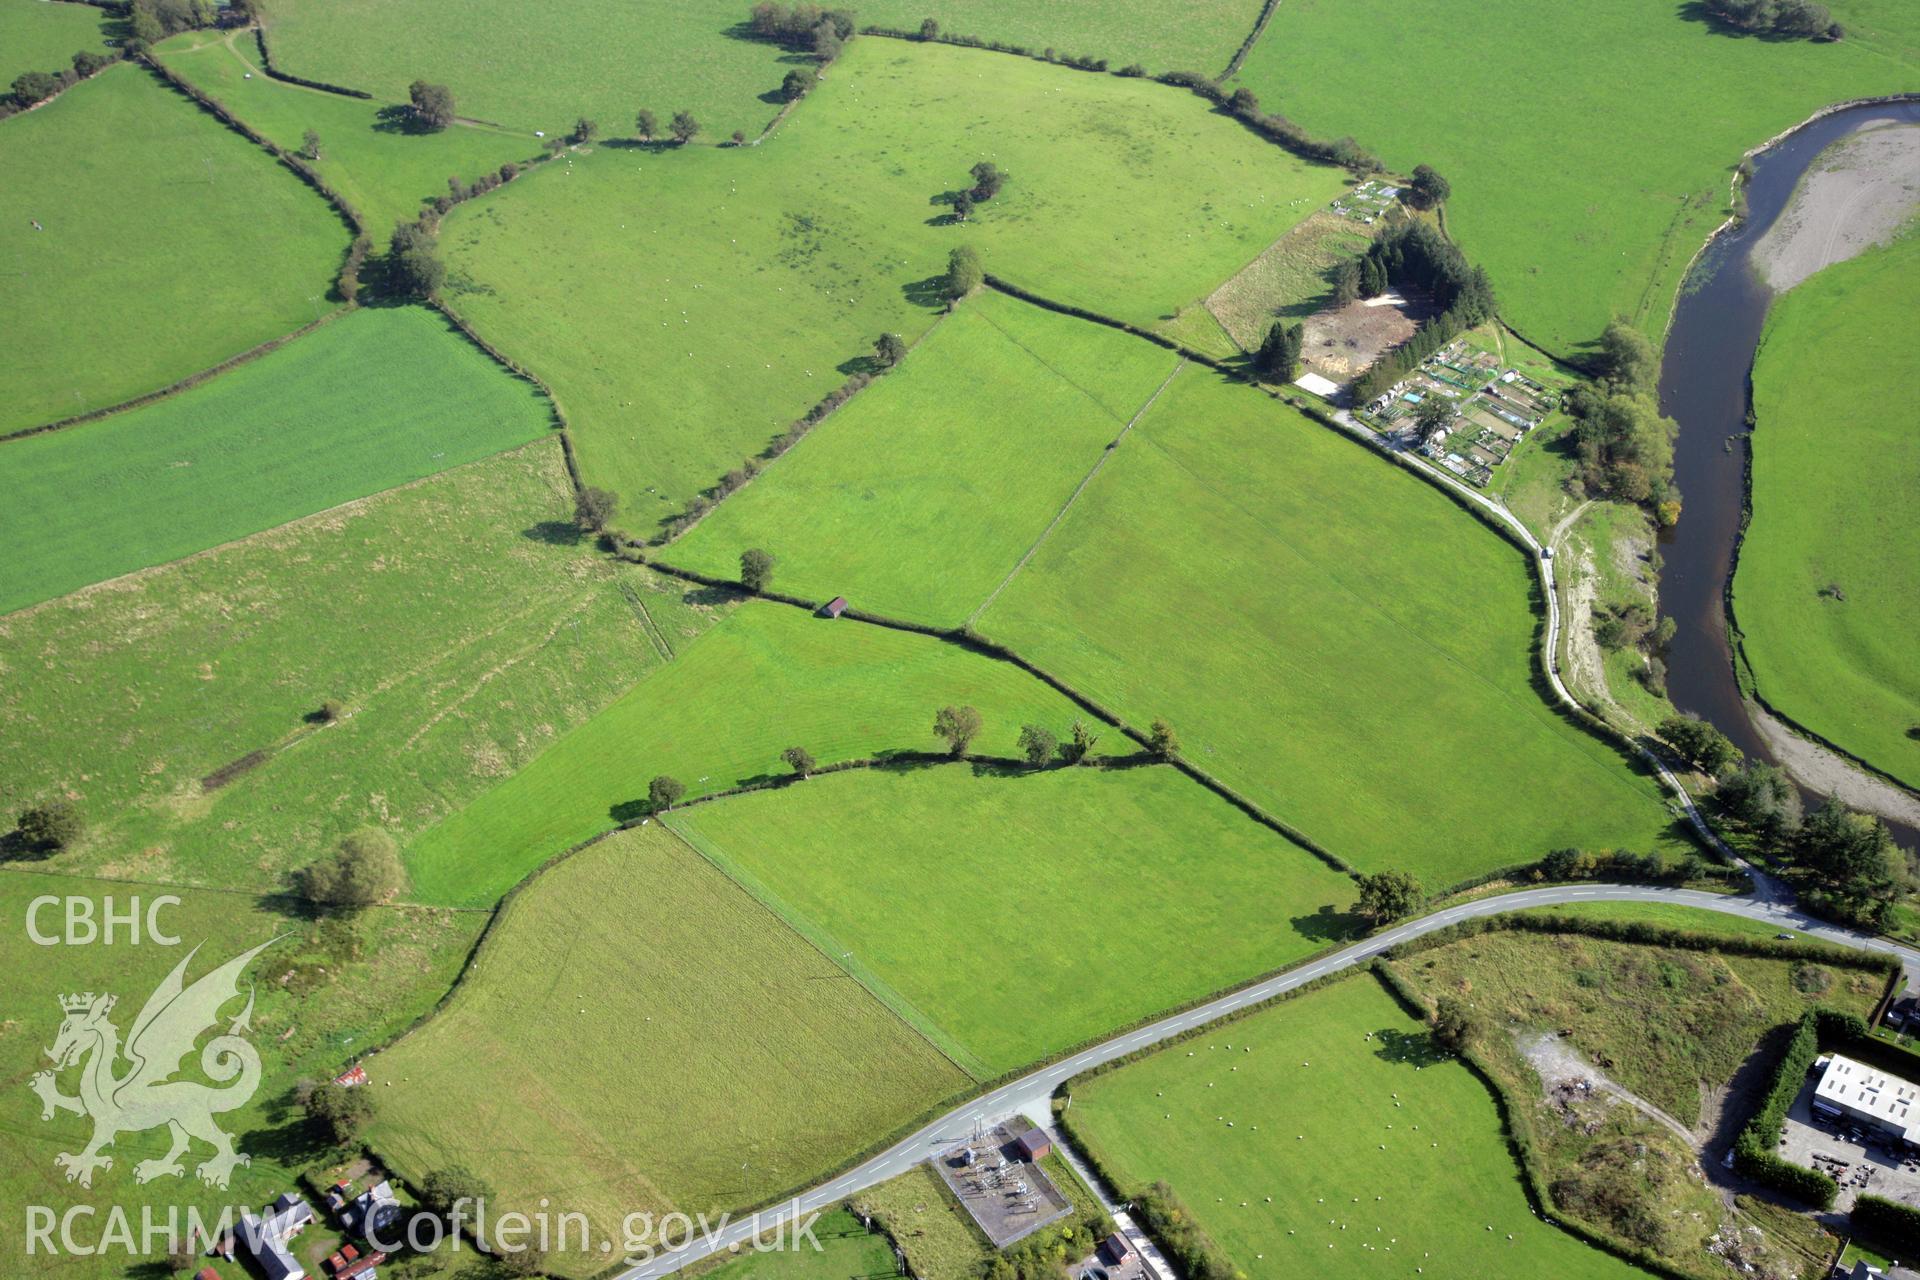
x,y
1836,462
370,401
920,495
1354,1149
718,715
311,1016
1328,635
1208,897
455,619
941,1242
383,171
37,36
639,1036
538,67
1163,35
99,306
847,1249
686,305
1523,107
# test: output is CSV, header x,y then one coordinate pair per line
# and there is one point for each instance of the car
x,y
1783,937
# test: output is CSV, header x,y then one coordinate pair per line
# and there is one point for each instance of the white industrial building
x,y
1873,1099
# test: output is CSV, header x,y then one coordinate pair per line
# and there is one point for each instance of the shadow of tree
x,y
630,810
555,533
15,847
711,596
930,292
869,365
1408,1048
1328,925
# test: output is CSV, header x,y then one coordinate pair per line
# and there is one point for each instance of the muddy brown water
x,y
1705,387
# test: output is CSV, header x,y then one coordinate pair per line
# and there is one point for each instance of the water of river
x,y
1704,387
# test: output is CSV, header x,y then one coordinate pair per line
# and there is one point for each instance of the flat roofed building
x,y
1857,1092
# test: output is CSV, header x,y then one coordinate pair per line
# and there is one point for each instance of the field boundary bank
x,y
187,383
976,643
834,953
1543,665
1086,480
1267,11
285,77
807,428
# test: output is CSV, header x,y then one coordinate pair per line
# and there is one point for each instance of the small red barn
x,y
834,607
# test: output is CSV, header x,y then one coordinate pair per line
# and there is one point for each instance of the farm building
x,y
834,607
263,1241
374,1210
1854,1091
1032,1145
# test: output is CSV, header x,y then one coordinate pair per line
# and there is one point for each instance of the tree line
x,y
1798,19
1624,443
1414,254
30,88
1844,862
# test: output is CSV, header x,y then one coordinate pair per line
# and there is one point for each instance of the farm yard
x,y
373,400
1373,709
1825,613
382,170
830,233
638,1035
1327,1135
1573,226
930,925
461,635
229,233
921,494
842,690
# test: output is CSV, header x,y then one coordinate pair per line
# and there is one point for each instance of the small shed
x,y
1032,1145
1115,1249
834,607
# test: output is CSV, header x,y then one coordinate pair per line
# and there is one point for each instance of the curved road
x,y
1030,1093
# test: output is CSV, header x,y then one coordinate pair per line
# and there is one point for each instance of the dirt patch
x,y
1291,279
1586,668
1859,193
1825,773
1571,1081
1342,344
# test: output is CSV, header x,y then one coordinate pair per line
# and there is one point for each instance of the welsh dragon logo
x,y
145,1095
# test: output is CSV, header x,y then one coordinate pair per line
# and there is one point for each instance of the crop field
x,y
1664,1020
379,168
375,399
718,715
1827,593
1163,35
921,494
1573,225
1069,848
310,1014
460,631
38,36
639,1035
1328,635
796,254
225,235
540,67
1326,1136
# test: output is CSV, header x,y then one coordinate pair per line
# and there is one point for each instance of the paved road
x,y
1030,1092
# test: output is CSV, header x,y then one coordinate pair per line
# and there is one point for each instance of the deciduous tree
x,y
364,870
890,349
53,825
432,105
964,272
798,759
756,569
1390,895
1037,744
594,509
646,124
664,792
685,128
959,726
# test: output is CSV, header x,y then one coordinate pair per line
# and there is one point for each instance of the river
x,y
1704,387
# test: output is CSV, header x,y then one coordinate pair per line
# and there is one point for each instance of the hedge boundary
x,y
287,77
